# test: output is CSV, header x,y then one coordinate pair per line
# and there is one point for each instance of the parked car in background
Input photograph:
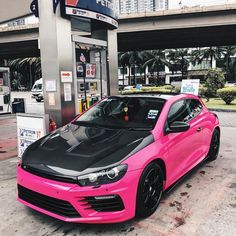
x,y
128,87
37,90
230,84
21,88
114,161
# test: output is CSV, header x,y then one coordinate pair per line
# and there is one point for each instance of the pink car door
x,y
198,124
183,148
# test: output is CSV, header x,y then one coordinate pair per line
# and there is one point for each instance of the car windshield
x,y
124,112
37,87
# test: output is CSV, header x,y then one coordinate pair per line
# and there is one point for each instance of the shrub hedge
x,y
162,89
227,94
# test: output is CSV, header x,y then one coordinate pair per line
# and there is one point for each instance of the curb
x,y
221,110
5,113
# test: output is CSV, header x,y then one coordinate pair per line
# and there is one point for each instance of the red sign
x,y
1,82
65,74
90,70
72,2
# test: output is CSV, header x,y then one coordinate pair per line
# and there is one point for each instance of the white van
x,y
37,90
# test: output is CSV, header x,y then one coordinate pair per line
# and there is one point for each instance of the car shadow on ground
x,y
54,226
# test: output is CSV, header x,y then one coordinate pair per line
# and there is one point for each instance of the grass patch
x,y
217,103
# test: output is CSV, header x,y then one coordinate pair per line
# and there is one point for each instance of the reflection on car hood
x,y
74,150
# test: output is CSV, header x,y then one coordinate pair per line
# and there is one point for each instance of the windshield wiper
x,y
92,124
139,129
85,123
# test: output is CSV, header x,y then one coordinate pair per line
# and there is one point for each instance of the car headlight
x,y
103,177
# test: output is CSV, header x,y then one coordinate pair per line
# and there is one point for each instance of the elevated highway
x,y
189,27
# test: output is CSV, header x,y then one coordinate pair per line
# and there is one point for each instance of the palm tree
x,y
179,60
124,58
232,69
136,59
27,67
228,52
156,61
196,56
212,53
143,66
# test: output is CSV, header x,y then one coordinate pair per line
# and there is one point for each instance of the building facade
x,y
136,6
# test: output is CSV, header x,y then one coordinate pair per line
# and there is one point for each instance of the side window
x,y
179,112
195,107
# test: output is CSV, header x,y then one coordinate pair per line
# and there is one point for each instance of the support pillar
x,y
112,62
112,58
56,56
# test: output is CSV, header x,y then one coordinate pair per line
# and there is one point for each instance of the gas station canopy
x,y
16,9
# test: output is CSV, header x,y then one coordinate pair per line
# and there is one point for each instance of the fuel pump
x,y
90,61
5,90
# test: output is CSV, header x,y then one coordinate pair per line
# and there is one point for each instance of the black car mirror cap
x,y
177,127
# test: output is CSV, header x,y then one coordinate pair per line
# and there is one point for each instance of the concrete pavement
x,y
8,141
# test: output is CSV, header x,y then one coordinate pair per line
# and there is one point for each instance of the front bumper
x,y
37,95
73,194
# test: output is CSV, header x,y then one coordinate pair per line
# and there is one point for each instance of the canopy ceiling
x,y
13,9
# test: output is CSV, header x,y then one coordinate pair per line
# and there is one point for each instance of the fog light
x,y
105,197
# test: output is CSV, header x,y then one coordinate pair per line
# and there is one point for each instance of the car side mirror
x,y
177,127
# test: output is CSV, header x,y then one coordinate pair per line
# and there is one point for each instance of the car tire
x,y
214,146
150,190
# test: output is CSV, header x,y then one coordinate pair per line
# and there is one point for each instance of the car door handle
x,y
199,129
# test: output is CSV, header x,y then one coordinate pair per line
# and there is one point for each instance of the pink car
x,y
115,161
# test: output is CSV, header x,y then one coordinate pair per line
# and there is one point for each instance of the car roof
x,y
167,97
148,95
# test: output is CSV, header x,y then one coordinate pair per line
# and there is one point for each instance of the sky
x,y
175,3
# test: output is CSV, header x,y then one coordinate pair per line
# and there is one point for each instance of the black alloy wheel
x,y
38,99
150,190
214,146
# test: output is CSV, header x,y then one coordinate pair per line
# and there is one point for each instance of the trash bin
x,y
18,105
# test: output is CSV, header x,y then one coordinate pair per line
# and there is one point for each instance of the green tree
x,y
214,80
179,60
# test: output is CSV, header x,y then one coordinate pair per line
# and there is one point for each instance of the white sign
x,y
29,129
51,86
66,76
23,144
92,15
152,114
67,92
190,86
51,99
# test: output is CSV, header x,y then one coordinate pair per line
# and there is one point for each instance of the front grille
x,y
50,204
64,179
108,203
